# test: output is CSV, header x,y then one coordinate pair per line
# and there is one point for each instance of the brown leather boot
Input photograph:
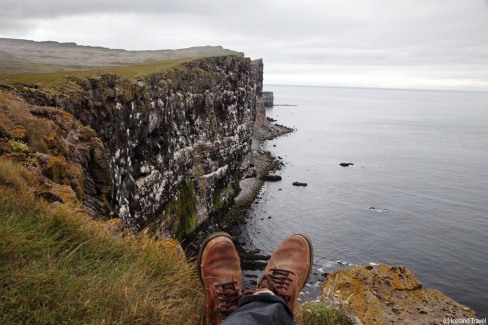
x,y
219,269
289,268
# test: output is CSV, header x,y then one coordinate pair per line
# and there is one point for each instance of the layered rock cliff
x,y
173,140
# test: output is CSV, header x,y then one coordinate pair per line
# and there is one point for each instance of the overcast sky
x,y
373,43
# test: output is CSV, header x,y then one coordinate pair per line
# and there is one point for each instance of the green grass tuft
x,y
311,313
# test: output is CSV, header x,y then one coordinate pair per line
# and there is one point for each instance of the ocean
x,y
417,194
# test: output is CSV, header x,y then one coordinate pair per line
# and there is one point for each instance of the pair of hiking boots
x,y
220,272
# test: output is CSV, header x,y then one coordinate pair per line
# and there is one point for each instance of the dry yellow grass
x,y
57,266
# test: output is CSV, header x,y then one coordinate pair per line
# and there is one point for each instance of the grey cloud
x,y
27,9
32,9
390,56
365,23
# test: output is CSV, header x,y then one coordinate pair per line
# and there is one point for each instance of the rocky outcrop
x,y
174,139
387,294
264,129
268,99
68,157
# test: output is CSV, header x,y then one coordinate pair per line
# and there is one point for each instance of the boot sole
x,y
202,248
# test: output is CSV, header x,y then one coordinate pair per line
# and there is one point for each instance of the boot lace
x,y
228,298
279,282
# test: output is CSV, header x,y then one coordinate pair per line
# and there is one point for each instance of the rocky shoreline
x,y
256,164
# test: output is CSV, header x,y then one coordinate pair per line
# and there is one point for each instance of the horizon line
x,y
373,87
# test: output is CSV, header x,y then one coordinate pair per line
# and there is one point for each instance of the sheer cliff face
x,y
173,140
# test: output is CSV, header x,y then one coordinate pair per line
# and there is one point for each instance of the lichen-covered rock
x,y
19,133
387,294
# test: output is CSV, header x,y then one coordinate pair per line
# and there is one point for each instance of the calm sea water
x,y
420,160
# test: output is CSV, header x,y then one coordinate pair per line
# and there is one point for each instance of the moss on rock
x,y
182,209
217,200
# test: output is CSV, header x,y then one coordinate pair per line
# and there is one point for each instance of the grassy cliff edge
x,y
59,266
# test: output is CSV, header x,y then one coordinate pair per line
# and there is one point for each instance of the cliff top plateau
x,y
25,56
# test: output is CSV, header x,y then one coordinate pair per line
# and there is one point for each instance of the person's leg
x,y
219,270
263,308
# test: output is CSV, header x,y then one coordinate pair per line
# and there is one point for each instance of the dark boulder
x,y
299,184
343,164
271,178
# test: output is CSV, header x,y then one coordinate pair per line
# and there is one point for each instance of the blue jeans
x,y
262,308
